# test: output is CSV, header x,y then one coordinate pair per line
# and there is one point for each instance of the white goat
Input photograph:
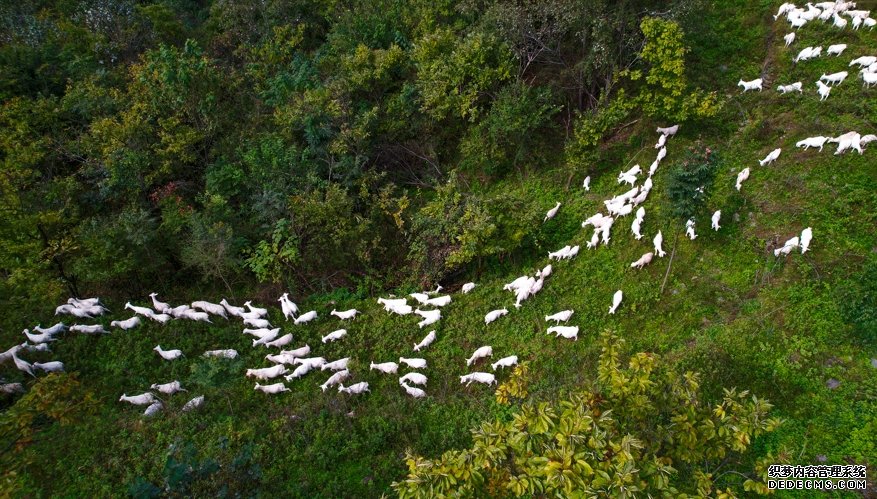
x,y
305,317
127,323
267,372
413,363
587,183
835,78
169,388
334,335
616,301
668,131
258,323
298,352
479,353
809,142
789,246
385,367
168,354
750,85
336,365
509,361
142,399
414,378
347,314
93,329
823,90
439,301
551,212
281,342
689,229
715,220
429,317
160,306
211,308
742,177
559,317
354,389
869,79
770,158
153,409
568,332
288,308
806,237
193,404
272,389
469,286
335,379
789,38
425,342
57,328
836,49
55,366
792,87
658,241
414,392
485,378
643,261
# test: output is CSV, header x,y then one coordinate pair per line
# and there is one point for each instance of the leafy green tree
x,y
643,430
690,182
666,93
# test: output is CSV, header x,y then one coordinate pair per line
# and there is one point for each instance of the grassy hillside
x,y
779,327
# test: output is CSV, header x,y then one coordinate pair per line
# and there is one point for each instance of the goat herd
x,y
255,322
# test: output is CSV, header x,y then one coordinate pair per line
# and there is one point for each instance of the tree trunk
x,y
670,263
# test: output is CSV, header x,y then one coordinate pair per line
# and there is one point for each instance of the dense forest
x,y
342,151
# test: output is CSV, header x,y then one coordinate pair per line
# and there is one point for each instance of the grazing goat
x,y
57,328
193,404
267,372
789,38
429,317
413,363
616,301
425,342
770,158
559,316
153,409
742,177
689,229
272,389
385,367
568,332
298,352
284,340
142,399
486,378
334,335
336,365
414,378
93,329
809,142
414,392
750,85
127,323
168,354
668,131
587,183
480,353
511,360
788,247
658,242
469,286
643,261
439,301
806,237
354,389
792,87
335,379
49,367
347,314
550,214
715,220
835,78
169,388
836,49
305,317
